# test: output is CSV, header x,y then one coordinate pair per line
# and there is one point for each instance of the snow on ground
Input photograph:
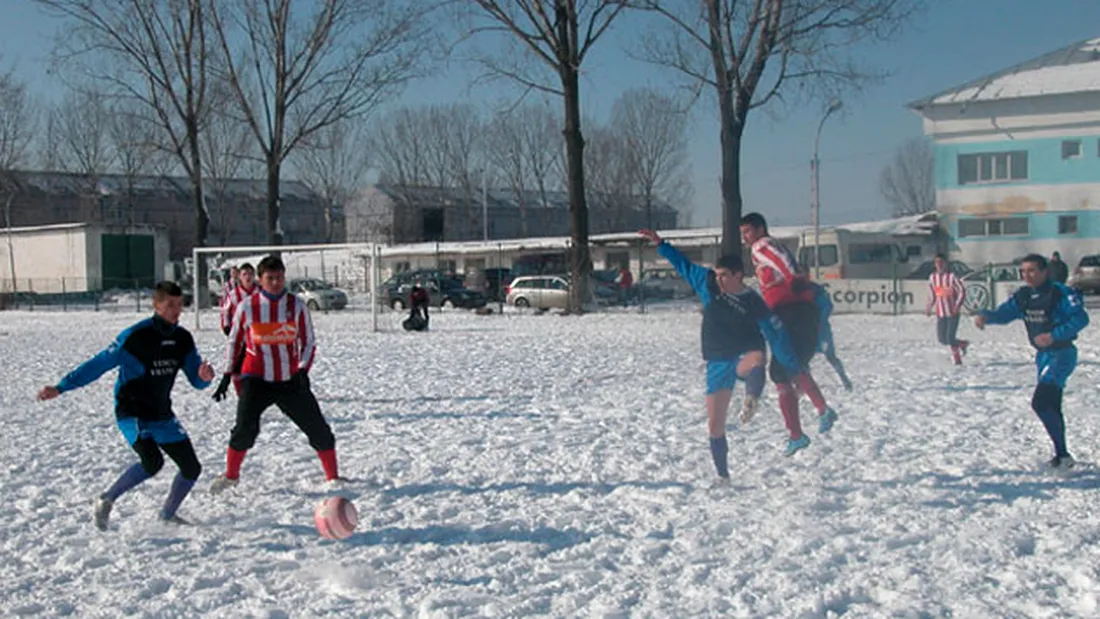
x,y
519,465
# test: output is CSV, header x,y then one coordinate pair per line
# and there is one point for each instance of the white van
x,y
853,255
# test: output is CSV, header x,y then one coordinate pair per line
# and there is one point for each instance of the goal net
x,y
327,277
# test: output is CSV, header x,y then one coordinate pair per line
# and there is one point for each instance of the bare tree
x,y
466,162
909,183
296,71
48,144
504,136
542,148
83,119
752,52
400,142
136,141
16,131
559,34
153,52
654,128
611,179
227,149
334,163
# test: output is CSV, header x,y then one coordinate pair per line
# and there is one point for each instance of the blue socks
x,y
719,449
754,382
180,487
1055,424
130,478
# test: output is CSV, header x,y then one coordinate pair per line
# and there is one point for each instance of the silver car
x,y
318,294
539,291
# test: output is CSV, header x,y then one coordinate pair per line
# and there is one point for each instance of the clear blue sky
x,y
954,42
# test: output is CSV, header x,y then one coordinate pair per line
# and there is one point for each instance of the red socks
x,y
233,460
809,386
328,462
788,405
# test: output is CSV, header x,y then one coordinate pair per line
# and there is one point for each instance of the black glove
x,y
223,388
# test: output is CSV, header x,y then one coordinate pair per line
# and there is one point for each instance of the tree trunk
x,y
202,220
580,259
274,233
733,127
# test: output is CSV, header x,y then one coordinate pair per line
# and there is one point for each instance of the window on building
x,y
992,167
870,253
913,251
1067,224
1003,226
828,253
1071,149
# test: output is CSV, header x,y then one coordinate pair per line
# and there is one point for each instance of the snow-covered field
x,y
543,465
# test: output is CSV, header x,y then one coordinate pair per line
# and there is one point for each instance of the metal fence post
x,y
64,296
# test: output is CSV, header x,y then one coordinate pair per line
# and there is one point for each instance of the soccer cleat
x,y
795,445
963,345
175,519
956,356
748,408
102,512
221,484
826,420
1062,463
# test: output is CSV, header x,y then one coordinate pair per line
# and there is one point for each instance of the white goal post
x,y
355,265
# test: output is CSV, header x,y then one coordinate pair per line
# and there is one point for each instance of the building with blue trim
x,y
1017,158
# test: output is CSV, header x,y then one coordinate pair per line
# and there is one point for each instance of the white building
x,y
1017,158
81,257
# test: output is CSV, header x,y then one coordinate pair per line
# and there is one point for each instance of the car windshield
x,y
312,284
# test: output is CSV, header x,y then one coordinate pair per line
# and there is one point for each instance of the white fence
x,y
906,296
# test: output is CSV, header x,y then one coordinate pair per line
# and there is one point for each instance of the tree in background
x,y
908,184
559,34
751,53
296,68
334,163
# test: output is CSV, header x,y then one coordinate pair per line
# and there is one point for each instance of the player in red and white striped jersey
x,y
226,293
789,295
948,295
244,286
272,343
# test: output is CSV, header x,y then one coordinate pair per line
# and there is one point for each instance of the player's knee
x,y
242,439
151,461
1047,397
190,469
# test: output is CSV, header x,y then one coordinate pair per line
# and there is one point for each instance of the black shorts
x,y
800,321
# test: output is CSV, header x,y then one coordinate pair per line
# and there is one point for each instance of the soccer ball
x,y
335,517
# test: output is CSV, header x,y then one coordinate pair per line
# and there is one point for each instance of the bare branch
x,y
908,183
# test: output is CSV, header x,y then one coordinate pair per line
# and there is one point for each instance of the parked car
x,y
318,294
444,291
1086,277
663,285
552,292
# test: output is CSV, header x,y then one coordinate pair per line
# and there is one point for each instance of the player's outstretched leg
x,y
183,454
717,406
151,463
826,416
751,369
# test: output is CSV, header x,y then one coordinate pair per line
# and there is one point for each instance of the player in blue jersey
x,y
736,323
1053,315
148,356
825,343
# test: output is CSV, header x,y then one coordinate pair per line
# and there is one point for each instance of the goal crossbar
x,y
370,251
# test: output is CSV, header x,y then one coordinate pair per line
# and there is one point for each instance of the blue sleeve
x,y
191,365
1005,313
108,359
824,303
779,341
1070,315
691,272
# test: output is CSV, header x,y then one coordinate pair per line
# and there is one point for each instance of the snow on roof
x,y
912,225
1071,69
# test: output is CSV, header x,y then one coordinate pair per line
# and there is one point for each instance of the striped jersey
x,y
948,294
777,272
275,335
231,299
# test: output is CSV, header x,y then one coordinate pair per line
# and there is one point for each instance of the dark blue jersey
x,y
733,324
1051,308
148,356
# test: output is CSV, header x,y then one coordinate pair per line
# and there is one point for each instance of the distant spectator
x,y
1057,270
419,299
625,280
